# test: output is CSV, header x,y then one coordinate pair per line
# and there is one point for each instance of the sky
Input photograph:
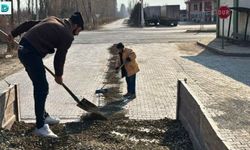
x,y
156,2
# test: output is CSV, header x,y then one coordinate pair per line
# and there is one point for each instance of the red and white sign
x,y
224,12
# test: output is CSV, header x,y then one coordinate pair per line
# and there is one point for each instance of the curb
x,y
217,51
201,31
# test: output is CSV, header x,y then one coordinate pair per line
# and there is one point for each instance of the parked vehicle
x,y
152,15
170,15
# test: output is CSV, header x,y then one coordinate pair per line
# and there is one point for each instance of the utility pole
x,y
142,14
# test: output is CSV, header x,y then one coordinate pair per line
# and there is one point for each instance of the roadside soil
x,y
118,132
9,66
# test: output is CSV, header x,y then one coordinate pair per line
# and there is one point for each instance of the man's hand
x,y
59,80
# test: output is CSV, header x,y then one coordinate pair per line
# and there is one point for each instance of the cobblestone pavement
x,y
221,83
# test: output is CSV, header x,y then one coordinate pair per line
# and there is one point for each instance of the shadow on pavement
x,y
236,114
233,67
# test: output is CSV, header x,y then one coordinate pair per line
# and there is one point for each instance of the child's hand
x,y
117,69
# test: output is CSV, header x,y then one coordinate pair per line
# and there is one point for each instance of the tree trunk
x,y
18,11
37,13
12,15
29,7
46,7
41,9
32,8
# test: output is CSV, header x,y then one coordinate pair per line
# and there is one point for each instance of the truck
x,y
170,15
152,15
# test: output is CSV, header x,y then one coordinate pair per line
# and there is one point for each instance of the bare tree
x,y
29,7
37,13
18,11
32,8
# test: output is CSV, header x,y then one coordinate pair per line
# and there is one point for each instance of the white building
x,y
240,20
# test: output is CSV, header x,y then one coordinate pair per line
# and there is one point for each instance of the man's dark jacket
x,y
46,35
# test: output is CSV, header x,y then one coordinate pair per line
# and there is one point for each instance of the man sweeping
x,y
129,68
41,38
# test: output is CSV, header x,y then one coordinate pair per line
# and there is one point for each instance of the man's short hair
x,y
120,46
77,19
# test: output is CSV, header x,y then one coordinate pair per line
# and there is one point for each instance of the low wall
x,y
9,107
193,117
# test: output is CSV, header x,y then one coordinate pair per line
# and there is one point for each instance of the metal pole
x,y
248,14
223,32
142,14
229,27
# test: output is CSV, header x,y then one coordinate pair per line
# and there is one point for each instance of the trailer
x,y
152,15
170,15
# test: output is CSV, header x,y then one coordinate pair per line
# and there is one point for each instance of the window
x,y
195,7
208,6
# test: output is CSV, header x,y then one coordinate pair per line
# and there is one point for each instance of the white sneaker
x,y
52,120
45,132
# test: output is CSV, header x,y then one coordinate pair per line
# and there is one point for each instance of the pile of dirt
x,y
112,134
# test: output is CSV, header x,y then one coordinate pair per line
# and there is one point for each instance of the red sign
x,y
224,12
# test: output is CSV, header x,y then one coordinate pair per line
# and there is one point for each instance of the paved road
x,y
165,54
87,62
221,83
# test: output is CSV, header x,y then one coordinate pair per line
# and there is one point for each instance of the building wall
x,y
242,23
244,3
183,15
201,10
241,18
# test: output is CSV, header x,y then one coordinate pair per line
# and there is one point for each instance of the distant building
x,y
201,10
123,13
183,15
239,28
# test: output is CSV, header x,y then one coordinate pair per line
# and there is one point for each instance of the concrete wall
x,y
193,117
9,109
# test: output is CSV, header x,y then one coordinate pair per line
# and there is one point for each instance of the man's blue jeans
x,y
33,64
131,82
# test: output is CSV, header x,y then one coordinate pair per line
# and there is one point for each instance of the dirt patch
x,y
9,66
9,62
189,48
112,134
